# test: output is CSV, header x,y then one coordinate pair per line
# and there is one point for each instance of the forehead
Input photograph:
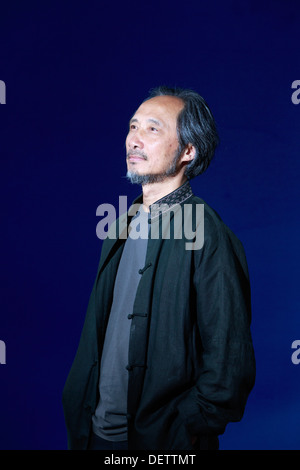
x,y
164,108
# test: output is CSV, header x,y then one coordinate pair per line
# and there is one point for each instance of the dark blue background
x,y
75,71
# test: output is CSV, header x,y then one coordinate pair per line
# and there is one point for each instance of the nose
x,y
135,140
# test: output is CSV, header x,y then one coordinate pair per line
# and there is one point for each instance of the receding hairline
x,y
162,98
164,101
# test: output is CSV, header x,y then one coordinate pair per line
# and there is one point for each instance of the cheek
x,y
173,144
172,149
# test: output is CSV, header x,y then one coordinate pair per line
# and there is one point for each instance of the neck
x,y
155,191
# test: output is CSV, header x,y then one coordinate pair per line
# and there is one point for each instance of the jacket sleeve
x,y
227,370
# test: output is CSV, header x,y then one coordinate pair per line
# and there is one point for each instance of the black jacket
x,y
191,363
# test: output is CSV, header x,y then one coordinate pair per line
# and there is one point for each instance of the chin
x,y
137,178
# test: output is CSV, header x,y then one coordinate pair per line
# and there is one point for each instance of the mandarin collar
x,y
178,196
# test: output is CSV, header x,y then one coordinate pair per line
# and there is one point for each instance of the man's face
x,y
152,141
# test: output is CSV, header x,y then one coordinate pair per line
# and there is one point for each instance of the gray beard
x,y
135,178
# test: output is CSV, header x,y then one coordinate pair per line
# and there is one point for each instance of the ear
x,y
188,154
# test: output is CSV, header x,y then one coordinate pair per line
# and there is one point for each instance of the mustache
x,y
138,153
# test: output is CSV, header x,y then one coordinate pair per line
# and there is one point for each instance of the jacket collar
x,y
166,203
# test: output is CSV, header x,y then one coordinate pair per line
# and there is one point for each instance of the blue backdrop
x,y
75,71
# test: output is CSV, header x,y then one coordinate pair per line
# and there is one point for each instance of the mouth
x,y
135,158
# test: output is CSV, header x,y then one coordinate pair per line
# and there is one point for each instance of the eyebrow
x,y
154,121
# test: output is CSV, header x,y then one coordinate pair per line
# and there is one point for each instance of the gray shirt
x,y
109,420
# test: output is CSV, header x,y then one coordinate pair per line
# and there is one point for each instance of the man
x,y
165,358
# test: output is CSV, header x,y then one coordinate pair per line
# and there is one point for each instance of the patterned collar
x,y
178,196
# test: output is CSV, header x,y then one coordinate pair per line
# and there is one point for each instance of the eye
x,y
132,127
153,129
